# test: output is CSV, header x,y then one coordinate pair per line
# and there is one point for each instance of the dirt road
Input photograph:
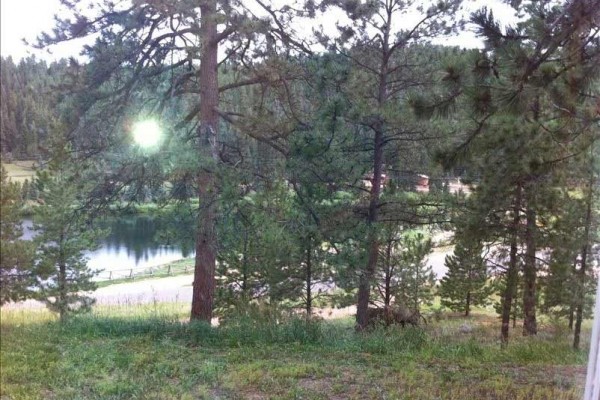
x,y
176,288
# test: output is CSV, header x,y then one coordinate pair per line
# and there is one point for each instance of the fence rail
x,y
137,273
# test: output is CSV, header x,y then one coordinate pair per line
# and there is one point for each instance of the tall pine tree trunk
x,y
309,279
584,254
468,304
364,284
573,300
529,275
512,272
378,127
580,298
571,316
206,238
388,275
62,290
245,266
62,279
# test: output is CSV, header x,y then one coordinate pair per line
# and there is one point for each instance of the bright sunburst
x,y
146,133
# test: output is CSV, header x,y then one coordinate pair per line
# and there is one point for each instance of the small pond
x,y
133,243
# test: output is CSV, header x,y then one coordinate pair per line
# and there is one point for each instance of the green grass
x,y
19,171
148,208
174,268
150,352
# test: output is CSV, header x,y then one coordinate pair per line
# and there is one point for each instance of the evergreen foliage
x,y
29,97
403,277
466,282
416,278
17,255
531,113
64,234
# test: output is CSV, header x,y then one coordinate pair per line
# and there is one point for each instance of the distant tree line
x,y
30,95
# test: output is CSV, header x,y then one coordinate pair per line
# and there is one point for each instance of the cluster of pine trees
x,y
533,147
297,155
29,100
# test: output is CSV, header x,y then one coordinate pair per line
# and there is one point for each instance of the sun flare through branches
x,y
146,133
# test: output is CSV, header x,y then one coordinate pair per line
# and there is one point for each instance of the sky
x,y
27,18
24,19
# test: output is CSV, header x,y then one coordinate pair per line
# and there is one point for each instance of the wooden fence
x,y
137,273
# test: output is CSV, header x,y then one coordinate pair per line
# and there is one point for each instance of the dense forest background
x,y
29,97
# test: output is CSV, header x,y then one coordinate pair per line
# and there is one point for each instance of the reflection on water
x,y
133,242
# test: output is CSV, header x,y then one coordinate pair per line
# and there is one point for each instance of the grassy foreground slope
x,y
146,352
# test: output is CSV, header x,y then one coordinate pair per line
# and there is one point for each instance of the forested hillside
x,y
29,101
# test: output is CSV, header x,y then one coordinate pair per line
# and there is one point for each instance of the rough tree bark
x,y
62,285
529,275
468,304
512,272
388,274
364,285
206,239
580,298
309,279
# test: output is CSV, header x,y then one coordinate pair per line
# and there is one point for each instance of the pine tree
x,y
384,71
590,219
152,50
64,234
530,98
465,284
17,255
417,280
387,279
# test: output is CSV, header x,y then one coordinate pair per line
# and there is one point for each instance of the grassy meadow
x,y
151,352
19,171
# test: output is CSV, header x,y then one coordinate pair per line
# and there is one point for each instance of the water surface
x,y
134,244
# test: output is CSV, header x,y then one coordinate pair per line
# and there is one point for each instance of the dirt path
x,y
172,289
179,289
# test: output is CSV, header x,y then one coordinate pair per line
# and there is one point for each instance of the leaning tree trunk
x,y
529,276
512,272
206,237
